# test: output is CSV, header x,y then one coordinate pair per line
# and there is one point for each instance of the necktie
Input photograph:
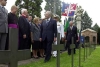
x,y
47,21
3,8
30,23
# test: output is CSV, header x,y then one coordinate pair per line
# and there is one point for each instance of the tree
x,y
98,36
86,21
50,6
33,6
95,27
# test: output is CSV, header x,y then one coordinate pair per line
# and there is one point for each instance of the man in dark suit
x,y
3,24
71,32
24,30
30,23
48,34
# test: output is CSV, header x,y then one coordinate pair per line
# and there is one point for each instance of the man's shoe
x,y
45,61
69,53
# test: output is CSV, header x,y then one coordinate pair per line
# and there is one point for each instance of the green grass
x,y
65,60
93,60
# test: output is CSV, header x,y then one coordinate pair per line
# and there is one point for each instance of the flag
x,y
71,13
68,9
67,23
72,9
65,8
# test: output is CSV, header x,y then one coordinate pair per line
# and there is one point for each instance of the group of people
x,y
40,33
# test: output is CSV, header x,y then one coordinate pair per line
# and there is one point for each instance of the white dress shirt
x,y
71,27
48,19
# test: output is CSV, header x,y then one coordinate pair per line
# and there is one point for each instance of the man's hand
x,y
76,40
63,39
55,39
24,36
40,39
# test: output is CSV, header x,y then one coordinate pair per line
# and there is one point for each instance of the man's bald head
x,y
48,14
71,23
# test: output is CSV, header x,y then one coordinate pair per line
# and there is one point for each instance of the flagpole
x,y
69,10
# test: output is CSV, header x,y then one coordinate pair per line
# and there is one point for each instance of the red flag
x,y
73,7
68,9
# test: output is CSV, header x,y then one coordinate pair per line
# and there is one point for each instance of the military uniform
x,y
60,29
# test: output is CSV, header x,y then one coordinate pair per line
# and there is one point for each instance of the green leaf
x,y
33,7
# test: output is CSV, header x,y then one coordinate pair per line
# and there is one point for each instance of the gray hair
x,y
49,12
23,10
71,22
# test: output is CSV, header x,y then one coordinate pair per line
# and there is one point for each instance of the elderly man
x,y
48,34
3,24
71,32
24,30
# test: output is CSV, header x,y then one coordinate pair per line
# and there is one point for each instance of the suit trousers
x,y
23,43
3,37
48,48
29,43
7,42
69,50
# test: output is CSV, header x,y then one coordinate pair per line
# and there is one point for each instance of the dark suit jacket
x,y
24,27
72,33
48,31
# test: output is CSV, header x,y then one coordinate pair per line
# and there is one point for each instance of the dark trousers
x,y
23,43
69,50
29,43
3,37
48,49
7,42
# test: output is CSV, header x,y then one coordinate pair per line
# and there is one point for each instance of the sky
x,y
91,6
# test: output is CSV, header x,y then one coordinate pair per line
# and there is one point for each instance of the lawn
x,y
65,60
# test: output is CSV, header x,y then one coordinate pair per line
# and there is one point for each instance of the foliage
x,y
50,6
95,27
86,21
33,6
98,36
